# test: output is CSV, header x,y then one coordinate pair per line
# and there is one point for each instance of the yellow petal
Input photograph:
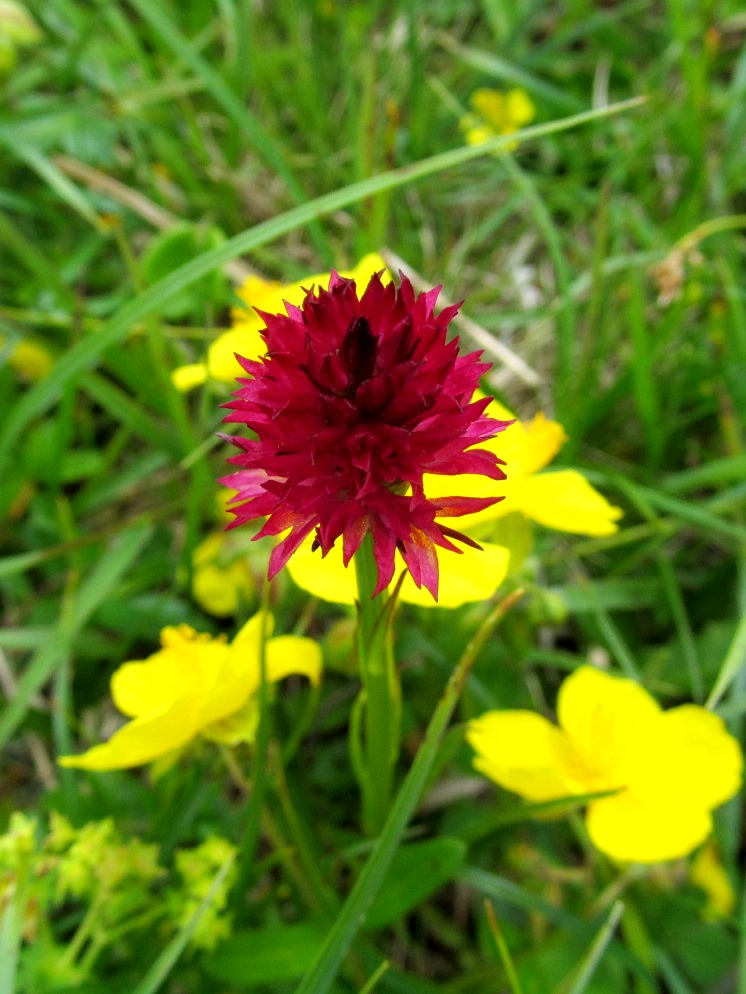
x,y
565,500
143,740
186,378
256,292
362,272
326,578
633,829
288,655
609,722
490,105
186,659
239,727
519,108
476,134
473,576
471,485
249,638
245,340
523,752
523,447
29,359
535,446
691,755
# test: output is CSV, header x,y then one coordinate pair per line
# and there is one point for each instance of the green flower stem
x,y
381,725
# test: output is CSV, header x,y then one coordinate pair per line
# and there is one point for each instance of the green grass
x,y
288,139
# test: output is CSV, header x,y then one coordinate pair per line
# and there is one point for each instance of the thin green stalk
x,y
381,690
323,894
502,948
598,948
638,940
254,806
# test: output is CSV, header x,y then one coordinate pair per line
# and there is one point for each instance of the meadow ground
x,y
163,167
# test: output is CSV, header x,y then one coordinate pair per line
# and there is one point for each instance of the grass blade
x,y
735,658
598,947
93,592
165,963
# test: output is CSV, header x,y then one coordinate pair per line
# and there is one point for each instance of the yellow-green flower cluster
x,y
117,884
197,869
664,771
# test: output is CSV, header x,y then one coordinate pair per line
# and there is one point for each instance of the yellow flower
x,y
669,769
564,500
27,358
495,112
195,685
245,335
221,577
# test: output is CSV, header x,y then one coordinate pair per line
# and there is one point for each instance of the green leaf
x,y
171,249
418,870
268,955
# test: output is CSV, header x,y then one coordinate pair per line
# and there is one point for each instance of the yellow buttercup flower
x,y
195,685
495,112
669,769
564,500
245,335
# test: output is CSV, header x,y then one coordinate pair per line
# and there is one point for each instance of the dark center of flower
x,y
358,352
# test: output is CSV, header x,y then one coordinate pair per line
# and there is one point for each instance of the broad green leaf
x,y
418,870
